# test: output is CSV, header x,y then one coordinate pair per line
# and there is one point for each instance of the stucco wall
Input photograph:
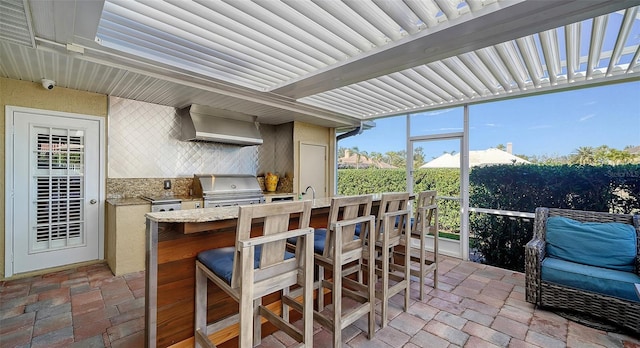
x,y
33,95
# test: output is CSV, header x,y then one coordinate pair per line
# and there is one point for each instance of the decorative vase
x,y
271,182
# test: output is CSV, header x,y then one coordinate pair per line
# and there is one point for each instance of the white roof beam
x,y
598,29
462,71
333,101
346,15
358,101
549,43
320,103
448,8
252,22
432,98
529,53
383,92
572,46
436,93
401,14
453,78
623,34
328,22
288,20
432,76
427,11
511,60
374,93
490,58
399,82
469,32
367,97
376,18
479,69
206,33
635,61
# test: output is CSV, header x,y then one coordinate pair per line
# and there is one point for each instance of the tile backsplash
x,y
144,142
144,149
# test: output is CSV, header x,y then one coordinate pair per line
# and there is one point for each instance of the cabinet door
x,y
313,168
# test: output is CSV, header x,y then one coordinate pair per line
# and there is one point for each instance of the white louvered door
x,y
56,210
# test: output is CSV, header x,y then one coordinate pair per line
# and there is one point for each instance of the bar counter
x,y
173,239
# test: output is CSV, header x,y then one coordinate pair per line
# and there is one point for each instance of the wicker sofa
x,y
623,310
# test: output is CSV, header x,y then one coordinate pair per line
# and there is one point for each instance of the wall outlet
x,y
167,184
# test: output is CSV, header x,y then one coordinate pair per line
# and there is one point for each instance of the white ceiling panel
x,y
15,24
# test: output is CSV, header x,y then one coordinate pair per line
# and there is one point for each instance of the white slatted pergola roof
x,y
328,62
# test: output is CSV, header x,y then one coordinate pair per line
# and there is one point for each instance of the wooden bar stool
x,y
425,222
391,227
258,266
340,250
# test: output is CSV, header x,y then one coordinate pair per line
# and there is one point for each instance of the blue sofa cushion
x,y
606,281
610,245
220,260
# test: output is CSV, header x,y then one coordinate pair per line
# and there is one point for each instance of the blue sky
x,y
550,124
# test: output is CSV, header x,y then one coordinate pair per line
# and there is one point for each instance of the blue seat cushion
x,y
601,280
610,245
319,237
220,260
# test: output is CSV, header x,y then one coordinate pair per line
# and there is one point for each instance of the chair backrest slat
x,y
425,216
392,202
346,208
275,218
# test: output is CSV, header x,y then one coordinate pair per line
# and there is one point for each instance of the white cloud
x,y
492,125
590,103
584,118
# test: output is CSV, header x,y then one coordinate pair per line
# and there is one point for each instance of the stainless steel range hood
x,y
204,123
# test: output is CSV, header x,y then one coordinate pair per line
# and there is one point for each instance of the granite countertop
x,y
278,193
140,201
127,201
213,214
221,213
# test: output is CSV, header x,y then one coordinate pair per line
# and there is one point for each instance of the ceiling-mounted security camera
x,y
48,84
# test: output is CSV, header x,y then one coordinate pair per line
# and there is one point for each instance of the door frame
x,y
463,137
9,177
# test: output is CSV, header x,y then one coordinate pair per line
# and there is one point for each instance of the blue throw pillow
x,y
610,245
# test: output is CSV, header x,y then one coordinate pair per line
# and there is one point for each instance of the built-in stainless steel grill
x,y
161,203
223,190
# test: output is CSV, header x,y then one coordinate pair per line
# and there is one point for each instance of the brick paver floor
x,y
474,306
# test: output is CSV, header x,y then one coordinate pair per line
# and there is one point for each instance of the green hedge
x,y
444,180
501,240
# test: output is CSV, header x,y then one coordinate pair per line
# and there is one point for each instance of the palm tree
x,y
359,154
418,157
583,155
620,157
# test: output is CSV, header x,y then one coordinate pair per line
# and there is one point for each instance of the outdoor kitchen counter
x,y
213,214
174,239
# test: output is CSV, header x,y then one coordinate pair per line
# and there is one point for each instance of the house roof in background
x,y
332,63
352,160
479,158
